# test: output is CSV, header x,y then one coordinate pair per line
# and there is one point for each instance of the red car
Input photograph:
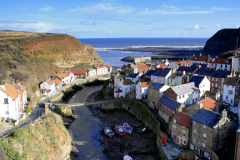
x,y
64,84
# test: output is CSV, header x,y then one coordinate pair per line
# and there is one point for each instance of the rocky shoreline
x,y
160,53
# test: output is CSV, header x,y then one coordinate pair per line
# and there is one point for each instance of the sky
x,y
121,18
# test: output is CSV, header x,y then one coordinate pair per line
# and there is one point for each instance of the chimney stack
x,y
193,55
233,72
209,56
187,78
224,113
200,54
199,66
184,72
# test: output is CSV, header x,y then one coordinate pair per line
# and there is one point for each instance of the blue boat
x,y
108,132
120,130
127,127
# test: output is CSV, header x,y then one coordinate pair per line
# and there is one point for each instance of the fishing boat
x,y
127,157
127,127
108,132
120,130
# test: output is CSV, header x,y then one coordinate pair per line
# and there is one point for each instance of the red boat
x,y
120,130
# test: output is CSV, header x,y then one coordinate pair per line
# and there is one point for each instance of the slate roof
x,y
204,71
157,72
197,64
150,72
132,75
196,79
206,117
142,76
184,88
221,73
127,82
182,119
231,81
223,61
170,102
187,69
156,86
164,72
78,71
238,83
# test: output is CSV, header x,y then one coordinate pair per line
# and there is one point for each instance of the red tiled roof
x,y
182,119
199,58
152,67
209,103
142,67
64,75
145,84
50,81
223,61
10,90
183,63
109,66
98,66
123,66
59,75
162,65
78,71
58,81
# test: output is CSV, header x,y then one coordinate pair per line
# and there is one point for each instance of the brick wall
x,y
171,94
179,132
219,83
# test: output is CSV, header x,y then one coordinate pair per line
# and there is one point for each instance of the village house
x,y
213,95
179,64
184,93
23,95
221,63
175,79
155,92
79,73
91,72
154,76
209,131
218,78
142,89
179,126
202,83
168,108
133,76
100,69
47,87
163,76
147,76
236,62
109,68
162,65
10,100
206,103
123,87
118,78
64,78
142,68
229,91
199,59
130,68
58,84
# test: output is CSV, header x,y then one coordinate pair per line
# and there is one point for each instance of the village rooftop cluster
x,y
197,99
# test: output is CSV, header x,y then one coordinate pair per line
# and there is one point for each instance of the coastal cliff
x,y
224,40
32,57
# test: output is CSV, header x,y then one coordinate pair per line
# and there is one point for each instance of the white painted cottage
x,y
229,88
48,87
202,83
142,89
123,87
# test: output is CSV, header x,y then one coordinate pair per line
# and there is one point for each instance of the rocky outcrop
x,y
223,41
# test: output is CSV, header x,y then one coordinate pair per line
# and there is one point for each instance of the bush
x,y
10,153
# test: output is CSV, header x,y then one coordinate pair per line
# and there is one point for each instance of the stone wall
x,y
153,98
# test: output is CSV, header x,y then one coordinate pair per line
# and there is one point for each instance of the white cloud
x,y
196,26
173,7
46,8
220,9
176,11
32,27
206,26
115,7
218,25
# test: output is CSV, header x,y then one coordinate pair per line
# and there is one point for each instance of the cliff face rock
x,y
223,41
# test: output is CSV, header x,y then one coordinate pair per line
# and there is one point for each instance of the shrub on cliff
x,y
10,153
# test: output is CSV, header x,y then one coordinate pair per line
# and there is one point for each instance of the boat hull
x,y
119,130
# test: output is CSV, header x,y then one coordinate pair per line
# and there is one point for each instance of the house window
x,y
174,128
192,146
230,92
216,79
168,109
206,154
204,127
212,79
215,84
179,97
174,135
194,131
183,134
226,96
5,100
184,128
204,135
173,112
204,85
212,84
183,141
183,96
194,140
163,106
194,123
174,120
203,145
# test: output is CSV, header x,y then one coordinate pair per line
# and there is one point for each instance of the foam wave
x,y
177,47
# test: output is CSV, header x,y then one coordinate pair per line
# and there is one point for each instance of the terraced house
x,y
209,131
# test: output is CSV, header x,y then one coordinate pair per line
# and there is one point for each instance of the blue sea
x,y
105,46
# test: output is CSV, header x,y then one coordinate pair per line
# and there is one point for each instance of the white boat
x,y
127,127
127,157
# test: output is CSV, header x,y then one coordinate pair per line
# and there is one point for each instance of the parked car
x,y
64,84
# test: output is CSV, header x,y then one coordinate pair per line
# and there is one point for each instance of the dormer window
x,y
226,61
